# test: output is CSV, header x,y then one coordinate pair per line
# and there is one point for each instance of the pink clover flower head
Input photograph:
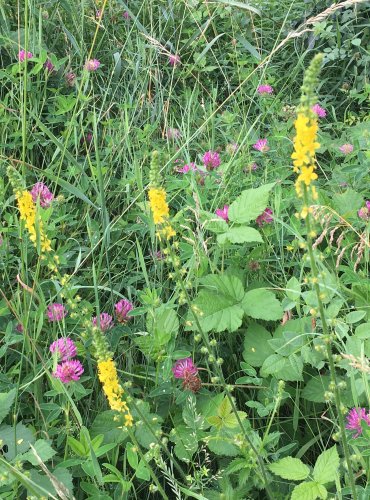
x,y
173,133
49,66
354,419
183,368
19,328
126,15
23,55
56,312
174,60
70,79
364,212
319,111
346,149
122,308
265,89
223,213
261,145
68,371
265,217
211,160
41,192
231,148
98,14
106,321
92,65
189,167
65,348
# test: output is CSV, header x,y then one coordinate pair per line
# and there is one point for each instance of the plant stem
x,y
329,351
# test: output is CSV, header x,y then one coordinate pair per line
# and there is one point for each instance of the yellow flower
x,y
112,388
166,232
28,213
158,205
307,175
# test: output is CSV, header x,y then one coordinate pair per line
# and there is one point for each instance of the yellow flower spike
x,y
112,388
158,205
28,214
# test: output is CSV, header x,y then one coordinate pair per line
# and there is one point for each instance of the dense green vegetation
x,y
184,250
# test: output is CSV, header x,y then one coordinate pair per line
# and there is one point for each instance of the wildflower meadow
x,y
184,250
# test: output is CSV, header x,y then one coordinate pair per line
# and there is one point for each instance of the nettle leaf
x,y
218,307
240,234
326,466
6,401
262,304
290,468
309,491
256,346
221,443
250,204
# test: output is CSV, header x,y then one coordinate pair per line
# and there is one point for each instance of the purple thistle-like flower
x,y
319,111
354,419
49,66
261,145
68,371
265,217
346,149
265,89
223,213
41,192
106,321
122,308
174,60
23,55
65,348
56,312
126,15
92,65
211,160
183,368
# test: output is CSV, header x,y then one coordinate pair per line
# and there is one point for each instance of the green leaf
x,y
292,369
250,204
17,439
111,428
293,289
241,5
163,325
43,450
240,234
218,307
290,468
326,467
355,316
262,304
363,331
142,471
6,401
256,346
272,364
132,457
315,389
309,491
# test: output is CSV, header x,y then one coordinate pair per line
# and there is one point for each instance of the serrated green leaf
x,y
326,467
16,439
240,234
218,307
250,204
262,304
309,491
315,389
43,450
290,468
